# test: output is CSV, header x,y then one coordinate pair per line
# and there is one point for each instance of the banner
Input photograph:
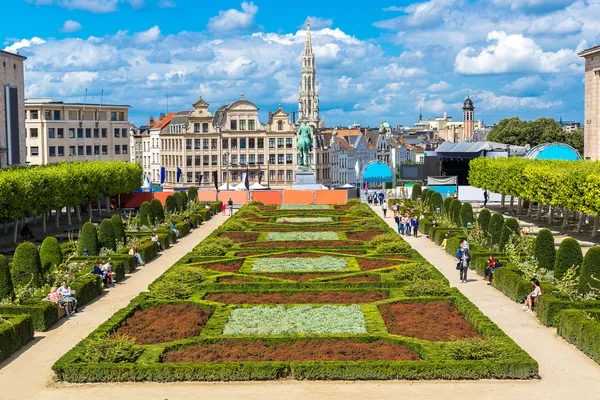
x,y
246,181
216,180
179,174
163,175
200,179
442,180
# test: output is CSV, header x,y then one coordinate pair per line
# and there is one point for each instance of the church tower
x,y
308,99
469,118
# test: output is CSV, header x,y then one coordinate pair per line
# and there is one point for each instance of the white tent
x,y
241,186
224,186
257,186
323,187
348,186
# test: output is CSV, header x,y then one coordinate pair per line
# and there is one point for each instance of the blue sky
x,y
374,62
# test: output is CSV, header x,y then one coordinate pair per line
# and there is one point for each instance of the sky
x,y
376,61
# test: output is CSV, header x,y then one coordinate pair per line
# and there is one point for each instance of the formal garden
x,y
303,292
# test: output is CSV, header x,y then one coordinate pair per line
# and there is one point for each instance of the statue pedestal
x,y
305,179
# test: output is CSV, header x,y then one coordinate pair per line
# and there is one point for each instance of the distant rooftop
x,y
8,53
45,101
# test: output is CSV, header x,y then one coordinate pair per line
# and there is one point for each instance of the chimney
x,y
162,116
151,121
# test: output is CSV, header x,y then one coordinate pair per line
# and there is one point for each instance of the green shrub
x,y
427,197
88,239
178,286
118,228
233,225
157,213
466,214
416,192
384,238
6,286
454,214
447,202
144,215
413,272
589,277
50,255
424,194
260,203
569,255
112,349
211,249
171,204
183,228
476,349
545,253
435,202
26,266
192,194
43,313
484,219
452,245
427,288
495,227
106,235
15,331
180,201
510,227
393,248
582,329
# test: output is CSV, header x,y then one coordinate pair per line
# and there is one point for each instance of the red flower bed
x,y
232,266
346,219
297,298
436,321
343,207
293,245
165,323
241,237
238,350
235,280
369,278
266,208
367,264
298,277
365,236
272,229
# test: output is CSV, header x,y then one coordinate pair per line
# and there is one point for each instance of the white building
x,y
12,110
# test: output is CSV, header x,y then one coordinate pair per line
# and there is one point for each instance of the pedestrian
x,y
532,297
397,219
415,225
384,207
463,257
230,204
223,209
394,206
67,295
381,196
375,199
464,245
485,198
407,224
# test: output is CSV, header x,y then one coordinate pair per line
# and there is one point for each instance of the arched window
x,y
280,125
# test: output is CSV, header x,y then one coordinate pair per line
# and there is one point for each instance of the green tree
x,y
435,202
510,227
6,286
106,235
416,192
575,140
424,193
27,266
455,207
589,277
466,214
157,212
484,219
144,215
118,228
192,194
88,239
545,253
171,204
518,132
50,254
569,255
495,227
447,202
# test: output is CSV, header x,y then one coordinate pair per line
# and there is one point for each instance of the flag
x,y
163,175
357,169
260,175
200,180
216,180
178,174
246,181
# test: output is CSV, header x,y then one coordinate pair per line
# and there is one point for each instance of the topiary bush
x,y
50,255
211,249
393,248
118,228
446,208
495,227
144,215
454,214
427,197
416,192
106,235
466,214
424,194
27,266
88,239
545,253
484,219
435,202
192,194
171,204
6,286
569,254
510,227
589,277
180,201
157,212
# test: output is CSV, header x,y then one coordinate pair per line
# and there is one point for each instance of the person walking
x,y
230,204
463,257
384,207
485,198
407,224
397,219
415,225
381,196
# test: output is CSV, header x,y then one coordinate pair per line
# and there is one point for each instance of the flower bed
x,y
300,236
435,321
231,266
363,236
299,264
367,264
307,220
308,244
298,207
237,350
240,237
165,323
298,277
295,320
297,298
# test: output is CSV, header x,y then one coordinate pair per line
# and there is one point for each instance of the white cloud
x,y
525,4
527,86
317,23
15,47
553,24
490,101
513,53
393,8
149,36
70,26
427,12
232,20
93,6
441,86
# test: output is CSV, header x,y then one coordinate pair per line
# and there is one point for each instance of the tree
x,y
192,194
518,132
484,219
424,193
88,239
118,228
416,192
50,254
27,266
144,216
466,214
575,140
589,277
106,235
157,212
510,227
435,202
171,204
569,255
455,207
495,227
447,202
6,286
545,253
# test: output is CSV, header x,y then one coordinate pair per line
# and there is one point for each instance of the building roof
x,y
43,102
344,143
589,52
478,147
8,53
164,122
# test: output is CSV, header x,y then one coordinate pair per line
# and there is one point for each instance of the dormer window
x,y
279,125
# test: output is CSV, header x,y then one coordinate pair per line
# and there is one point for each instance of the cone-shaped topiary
x,y
569,255
424,194
27,266
144,215
545,253
466,214
484,219
106,235
184,201
455,207
192,194
157,213
510,227
495,227
436,202
6,287
447,202
50,254
171,204
589,277
179,200
118,228
427,197
88,239
416,192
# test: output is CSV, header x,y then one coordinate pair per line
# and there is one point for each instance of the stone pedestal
x,y
305,179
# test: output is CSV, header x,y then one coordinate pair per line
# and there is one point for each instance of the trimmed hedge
x,y
43,314
466,214
509,281
183,228
454,214
495,227
147,250
192,194
435,202
425,225
171,204
569,254
549,306
118,228
89,286
16,332
50,254
447,203
484,219
416,192
26,266
452,246
106,235
510,227
157,212
582,329
144,215
88,239
424,194
6,286
589,278
544,252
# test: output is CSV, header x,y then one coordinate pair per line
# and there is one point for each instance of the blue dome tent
x,y
553,151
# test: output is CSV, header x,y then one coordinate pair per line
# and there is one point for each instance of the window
x,y
289,159
188,161
224,144
272,175
251,143
71,150
279,125
205,160
189,177
205,144
204,175
35,151
224,176
261,158
250,124
60,133
233,144
113,115
289,175
124,148
271,158
252,159
96,150
52,151
104,132
242,143
242,125
213,160
260,143
205,127
104,149
279,158
234,176
34,114
280,143
88,132
117,149
80,133
121,116
288,143
233,125
234,159
213,144
48,115
280,174
224,159
88,150
50,133
61,151
196,127
56,115
124,132
33,133
71,133
96,133
117,132
80,150
271,143
188,144
197,160
242,159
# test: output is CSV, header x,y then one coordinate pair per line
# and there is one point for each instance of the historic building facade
x,y
460,131
308,99
591,126
12,110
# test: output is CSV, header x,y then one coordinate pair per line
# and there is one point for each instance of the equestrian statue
x,y
304,145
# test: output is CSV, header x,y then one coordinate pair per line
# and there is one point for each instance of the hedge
x,y
484,219
436,202
171,204
589,278
424,193
495,228
16,332
569,255
144,215
192,194
147,250
466,214
447,203
118,228
183,228
425,225
582,329
157,212
106,235
43,314
416,192
549,306
452,246
454,213
88,239
88,287
6,286
180,201
50,254
509,281
510,227
26,266
545,253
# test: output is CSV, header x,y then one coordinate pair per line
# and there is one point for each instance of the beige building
x,y
591,126
12,110
58,131
462,131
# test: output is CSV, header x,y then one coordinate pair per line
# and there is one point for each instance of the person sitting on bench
x,y
26,233
532,297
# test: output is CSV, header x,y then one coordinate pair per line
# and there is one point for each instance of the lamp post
x,y
227,167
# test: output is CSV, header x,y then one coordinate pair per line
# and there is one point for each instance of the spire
x,y
308,99
308,41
